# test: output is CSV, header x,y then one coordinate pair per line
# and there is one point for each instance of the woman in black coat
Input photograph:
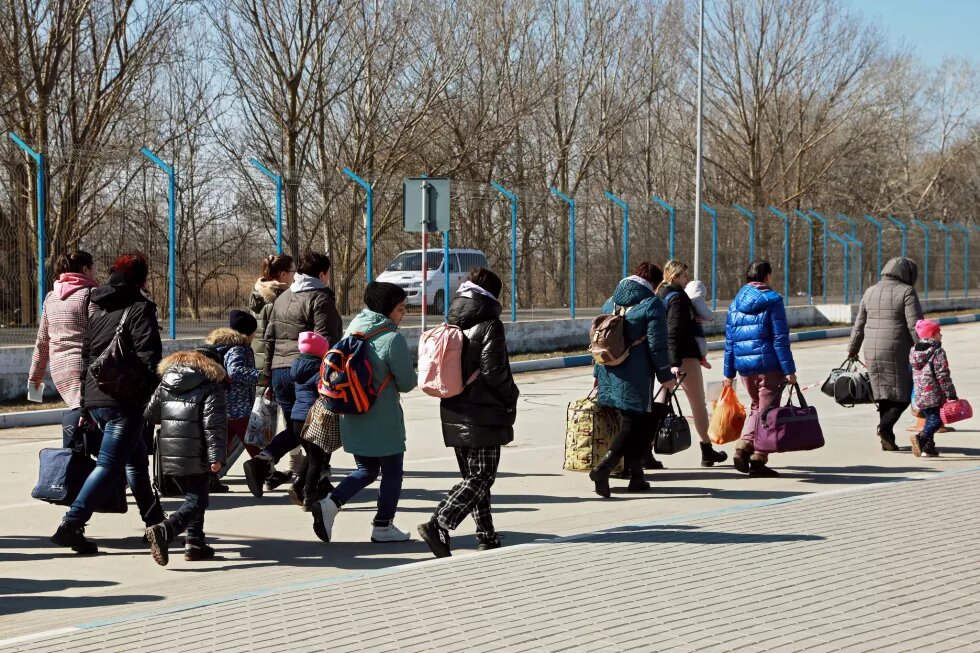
x,y
477,422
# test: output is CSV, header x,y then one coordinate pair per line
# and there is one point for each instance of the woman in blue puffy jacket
x,y
757,348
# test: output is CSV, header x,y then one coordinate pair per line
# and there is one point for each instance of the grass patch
x,y
20,405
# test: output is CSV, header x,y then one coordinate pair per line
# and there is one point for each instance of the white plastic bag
x,y
262,422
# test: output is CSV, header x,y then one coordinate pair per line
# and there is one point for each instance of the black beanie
x,y
382,297
243,322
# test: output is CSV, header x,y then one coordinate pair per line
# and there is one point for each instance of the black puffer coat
x,y
681,326
142,331
189,405
483,415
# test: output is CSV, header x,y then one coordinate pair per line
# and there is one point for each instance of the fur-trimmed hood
x,y
183,371
225,338
269,290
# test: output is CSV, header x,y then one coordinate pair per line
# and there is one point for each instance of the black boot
x,y
257,470
887,441
649,462
73,536
600,475
741,458
215,486
297,492
758,468
637,482
709,456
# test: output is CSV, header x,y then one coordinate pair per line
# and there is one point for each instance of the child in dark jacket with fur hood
x,y
933,384
189,404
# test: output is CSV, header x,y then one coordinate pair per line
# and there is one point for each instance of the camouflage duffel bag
x,y
588,434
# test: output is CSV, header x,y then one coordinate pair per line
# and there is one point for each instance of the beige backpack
x,y
607,341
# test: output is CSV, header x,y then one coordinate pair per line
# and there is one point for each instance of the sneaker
x,y
917,444
759,469
159,537
277,478
487,542
436,537
388,533
74,538
215,486
195,551
324,513
929,449
256,472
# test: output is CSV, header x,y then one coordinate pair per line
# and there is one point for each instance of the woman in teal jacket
x,y
627,386
376,438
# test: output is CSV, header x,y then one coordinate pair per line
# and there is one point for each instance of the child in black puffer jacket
x,y
189,405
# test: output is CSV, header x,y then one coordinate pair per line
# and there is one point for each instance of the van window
x,y
454,262
412,262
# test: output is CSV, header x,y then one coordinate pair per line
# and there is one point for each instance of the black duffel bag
x,y
849,384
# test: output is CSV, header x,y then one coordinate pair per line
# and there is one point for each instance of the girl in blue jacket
x,y
757,348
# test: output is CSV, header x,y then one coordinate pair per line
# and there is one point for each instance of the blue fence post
x,y
823,221
809,255
673,223
785,252
368,222
571,231
714,255
513,247
966,257
626,230
905,232
925,231
860,245
943,228
850,222
844,244
751,217
277,179
42,217
878,229
172,235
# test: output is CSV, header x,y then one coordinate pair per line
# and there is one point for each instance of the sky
x,y
933,28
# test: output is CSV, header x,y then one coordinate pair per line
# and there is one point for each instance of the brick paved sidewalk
x,y
890,567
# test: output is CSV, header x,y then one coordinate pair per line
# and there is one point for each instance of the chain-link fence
x,y
225,224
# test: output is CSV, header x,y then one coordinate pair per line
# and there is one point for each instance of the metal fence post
x,y
714,255
626,230
172,235
673,223
860,245
844,244
368,219
571,231
42,217
878,229
850,222
809,254
943,228
278,181
513,247
823,221
905,232
751,217
925,230
785,252
966,257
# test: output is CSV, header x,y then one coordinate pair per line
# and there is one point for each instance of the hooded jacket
x,y
260,303
930,373
757,333
142,330
885,327
239,363
305,371
308,305
682,329
60,336
483,414
628,386
189,406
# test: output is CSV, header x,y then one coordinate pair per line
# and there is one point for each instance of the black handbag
x,y
118,371
674,433
63,472
848,385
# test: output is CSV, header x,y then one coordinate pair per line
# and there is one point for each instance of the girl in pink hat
x,y
933,384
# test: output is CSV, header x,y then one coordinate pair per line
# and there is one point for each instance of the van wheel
x,y
437,302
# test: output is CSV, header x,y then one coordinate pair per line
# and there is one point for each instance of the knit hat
x,y
927,328
313,343
243,322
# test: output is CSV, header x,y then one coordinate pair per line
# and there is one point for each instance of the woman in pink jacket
x,y
59,336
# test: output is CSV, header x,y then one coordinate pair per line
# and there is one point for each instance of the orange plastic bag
x,y
727,419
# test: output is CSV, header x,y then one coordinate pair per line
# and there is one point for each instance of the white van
x,y
406,271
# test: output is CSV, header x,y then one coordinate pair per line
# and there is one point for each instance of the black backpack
x,y
118,371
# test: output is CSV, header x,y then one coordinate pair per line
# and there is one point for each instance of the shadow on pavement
x,y
22,604
851,475
688,491
685,534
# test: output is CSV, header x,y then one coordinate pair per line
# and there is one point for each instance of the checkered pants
x,y
471,496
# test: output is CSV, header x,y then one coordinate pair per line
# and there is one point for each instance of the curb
x,y
30,418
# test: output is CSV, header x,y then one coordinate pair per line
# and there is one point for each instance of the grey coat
x,y
885,325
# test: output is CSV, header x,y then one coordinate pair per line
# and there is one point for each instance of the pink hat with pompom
x,y
313,343
927,328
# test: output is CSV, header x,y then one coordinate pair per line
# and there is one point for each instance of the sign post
x,y
425,206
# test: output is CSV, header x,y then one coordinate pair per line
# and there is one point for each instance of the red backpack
x,y
347,377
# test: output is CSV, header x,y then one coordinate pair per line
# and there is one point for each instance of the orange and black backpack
x,y
347,377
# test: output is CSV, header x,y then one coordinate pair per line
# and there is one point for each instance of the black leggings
x,y
635,434
317,460
889,413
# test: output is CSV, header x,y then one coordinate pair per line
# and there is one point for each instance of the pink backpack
x,y
441,362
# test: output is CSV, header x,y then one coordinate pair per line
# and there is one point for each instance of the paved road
x,y
762,572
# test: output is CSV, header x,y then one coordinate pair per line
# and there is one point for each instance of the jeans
x,y
285,390
123,448
68,423
889,413
365,474
190,515
933,422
